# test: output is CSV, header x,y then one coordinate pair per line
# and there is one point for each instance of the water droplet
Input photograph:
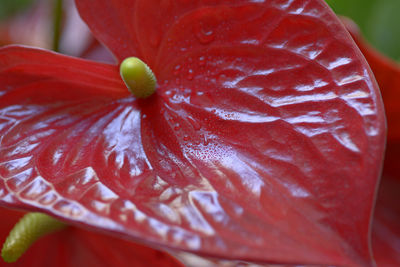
x,y
190,75
202,61
177,69
170,93
204,34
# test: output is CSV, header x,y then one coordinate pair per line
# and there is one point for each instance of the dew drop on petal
x,y
177,127
204,34
190,75
170,93
202,61
177,69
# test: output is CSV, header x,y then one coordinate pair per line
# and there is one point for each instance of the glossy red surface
x,y
264,141
74,247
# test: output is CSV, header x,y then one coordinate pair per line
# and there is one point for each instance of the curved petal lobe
x,y
263,143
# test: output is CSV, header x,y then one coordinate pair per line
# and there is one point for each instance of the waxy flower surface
x,y
263,142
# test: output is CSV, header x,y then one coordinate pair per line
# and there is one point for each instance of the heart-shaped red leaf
x,y
263,143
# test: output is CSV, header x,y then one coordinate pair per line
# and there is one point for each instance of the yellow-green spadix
x,y
30,228
138,77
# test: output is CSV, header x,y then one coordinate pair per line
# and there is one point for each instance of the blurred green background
x,y
9,8
379,20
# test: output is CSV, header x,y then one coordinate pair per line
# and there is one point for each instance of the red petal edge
x,y
387,73
263,143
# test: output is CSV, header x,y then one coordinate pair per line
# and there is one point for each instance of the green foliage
x,y
10,7
378,19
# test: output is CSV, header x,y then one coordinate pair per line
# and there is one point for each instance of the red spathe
x,y
263,142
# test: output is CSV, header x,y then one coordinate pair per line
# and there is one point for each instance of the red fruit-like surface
x,y
73,247
263,142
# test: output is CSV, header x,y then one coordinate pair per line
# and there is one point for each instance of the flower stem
x,y
30,228
57,19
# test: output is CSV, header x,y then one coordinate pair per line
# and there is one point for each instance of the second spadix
x,y
138,77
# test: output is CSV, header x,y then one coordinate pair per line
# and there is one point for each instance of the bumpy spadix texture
x,y
138,77
264,141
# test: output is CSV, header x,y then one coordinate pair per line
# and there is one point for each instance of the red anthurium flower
x,y
78,247
263,141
